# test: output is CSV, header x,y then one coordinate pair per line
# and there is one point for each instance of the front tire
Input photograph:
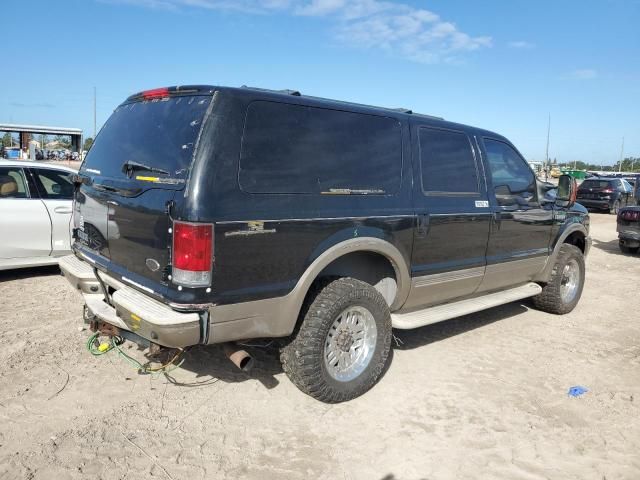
x,y
628,250
564,289
342,344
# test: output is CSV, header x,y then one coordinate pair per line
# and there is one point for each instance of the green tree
x,y
6,140
63,140
87,143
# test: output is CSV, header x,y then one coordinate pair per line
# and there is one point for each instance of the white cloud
x,y
584,74
521,44
414,33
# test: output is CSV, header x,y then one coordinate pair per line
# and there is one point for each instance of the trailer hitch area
x,y
104,328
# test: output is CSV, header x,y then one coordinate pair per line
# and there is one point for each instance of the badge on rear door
x,y
152,264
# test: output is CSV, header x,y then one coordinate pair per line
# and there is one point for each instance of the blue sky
x,y
500,65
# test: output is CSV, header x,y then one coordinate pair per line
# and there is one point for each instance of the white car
x,y
35,213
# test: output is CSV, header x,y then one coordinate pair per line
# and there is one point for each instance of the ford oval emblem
x,y
152,264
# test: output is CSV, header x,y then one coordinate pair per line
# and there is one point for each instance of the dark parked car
x,y
628,227
208,215
608,194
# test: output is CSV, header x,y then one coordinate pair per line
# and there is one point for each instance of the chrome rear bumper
x,y
132,310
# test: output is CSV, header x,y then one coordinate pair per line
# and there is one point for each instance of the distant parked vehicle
x,y
35,213
11,152
628,227
608,194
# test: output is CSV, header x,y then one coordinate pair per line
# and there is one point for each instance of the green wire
x,y
93,344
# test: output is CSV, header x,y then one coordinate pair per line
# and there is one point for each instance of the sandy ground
x,y
484,396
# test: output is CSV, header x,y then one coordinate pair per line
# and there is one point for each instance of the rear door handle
x,y
423,225
62,210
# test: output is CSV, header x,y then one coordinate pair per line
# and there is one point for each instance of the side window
x,y
514,183
308,150
447,163
12,184
53,184
627,186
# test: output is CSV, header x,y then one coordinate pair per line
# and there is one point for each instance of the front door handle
x,y
62,210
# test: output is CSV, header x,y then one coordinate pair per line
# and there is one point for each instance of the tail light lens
x,y
607,190
574,191
630,215
192,254
155,93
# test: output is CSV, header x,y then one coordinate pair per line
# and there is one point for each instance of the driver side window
x,y
514,183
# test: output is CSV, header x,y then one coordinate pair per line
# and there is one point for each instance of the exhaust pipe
x,y
239,357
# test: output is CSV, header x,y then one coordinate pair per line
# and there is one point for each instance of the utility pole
x,y
546,170
621,153
94,113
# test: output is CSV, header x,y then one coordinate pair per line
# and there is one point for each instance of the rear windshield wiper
x,y
130,166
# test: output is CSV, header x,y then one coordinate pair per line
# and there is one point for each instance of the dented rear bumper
x,y
132,310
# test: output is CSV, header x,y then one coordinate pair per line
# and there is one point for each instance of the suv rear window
x,y
596,184
159,133
298,149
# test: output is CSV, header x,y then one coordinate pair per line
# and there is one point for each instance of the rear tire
x,y
628,250
564,289
341,346
615,208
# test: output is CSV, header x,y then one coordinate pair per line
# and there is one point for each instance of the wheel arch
x,y
351,258
574,234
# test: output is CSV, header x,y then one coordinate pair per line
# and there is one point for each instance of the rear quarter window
x,y
296,149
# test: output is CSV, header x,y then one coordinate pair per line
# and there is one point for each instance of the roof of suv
x,y
288,94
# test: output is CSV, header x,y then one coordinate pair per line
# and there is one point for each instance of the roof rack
x,y
295,93
432,117
298,94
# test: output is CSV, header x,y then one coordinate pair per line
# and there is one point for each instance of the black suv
x,y
208,215
608,194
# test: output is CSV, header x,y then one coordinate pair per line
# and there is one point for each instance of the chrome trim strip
x,y
510,266
230,222
456,275
463,214
136,284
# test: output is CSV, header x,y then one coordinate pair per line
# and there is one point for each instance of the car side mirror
x,y
567,191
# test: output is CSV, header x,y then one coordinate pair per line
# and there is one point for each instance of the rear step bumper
x,y
132,310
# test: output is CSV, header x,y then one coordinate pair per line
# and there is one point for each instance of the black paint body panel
x,y
264,242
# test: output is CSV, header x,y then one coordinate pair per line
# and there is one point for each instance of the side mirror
x,y
567,191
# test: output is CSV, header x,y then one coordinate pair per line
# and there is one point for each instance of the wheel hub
x,y
344,340
570,281
350,343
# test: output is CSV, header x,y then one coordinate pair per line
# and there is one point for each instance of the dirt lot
x,y
484,396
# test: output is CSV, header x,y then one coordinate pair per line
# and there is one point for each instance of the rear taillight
x,y
607,190
155,93
632,216
192,254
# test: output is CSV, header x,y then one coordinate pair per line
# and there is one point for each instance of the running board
x,y
427,316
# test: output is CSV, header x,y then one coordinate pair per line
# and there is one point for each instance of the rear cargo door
x,y
138,164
